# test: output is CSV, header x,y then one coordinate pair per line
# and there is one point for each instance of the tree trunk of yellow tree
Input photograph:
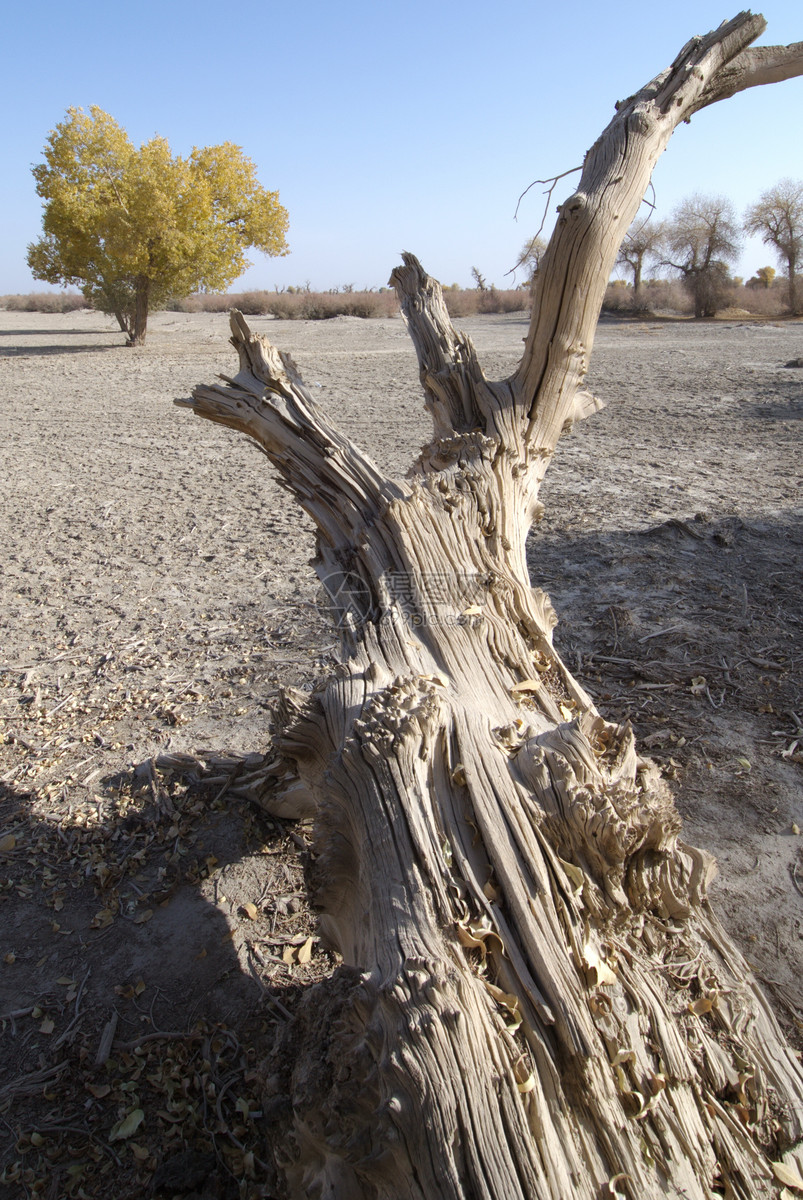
x,y
535,999
139,317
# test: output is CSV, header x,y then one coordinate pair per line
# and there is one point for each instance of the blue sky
x,y
386,126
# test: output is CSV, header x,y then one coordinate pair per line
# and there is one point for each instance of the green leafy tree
x,y
134,227
778,221
700,240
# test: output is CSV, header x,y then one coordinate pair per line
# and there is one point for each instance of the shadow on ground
x,y
156,938
155,942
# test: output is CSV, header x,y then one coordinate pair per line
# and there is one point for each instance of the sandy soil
x,y
156,594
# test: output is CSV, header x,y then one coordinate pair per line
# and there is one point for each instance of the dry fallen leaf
x,y
525,1079
129,1125
47,1026
599,970
250,910
574,873
305,951
7,843
526,685
787,1176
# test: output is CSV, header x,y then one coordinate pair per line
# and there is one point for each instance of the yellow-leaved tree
x,y
135,227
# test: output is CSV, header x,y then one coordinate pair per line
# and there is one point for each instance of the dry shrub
x,y
45,302
298,305
657,296
322,306
469,302
669,296
200,302
461,302
762,302
504,301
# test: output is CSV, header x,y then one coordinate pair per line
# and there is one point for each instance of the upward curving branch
x,y
593,222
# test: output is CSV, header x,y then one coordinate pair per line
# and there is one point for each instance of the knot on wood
x,y
575,204
408,708
584,775
444,450
640,122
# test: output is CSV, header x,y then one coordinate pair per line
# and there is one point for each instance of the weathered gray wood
x,y
536,1000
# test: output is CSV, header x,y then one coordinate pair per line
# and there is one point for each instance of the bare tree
x,y
643,243
535,999
778,220
700,240
530,257
479,280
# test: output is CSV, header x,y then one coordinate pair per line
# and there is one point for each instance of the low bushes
x,y
471,302
296,305
668,297
44,302
658,297
300,304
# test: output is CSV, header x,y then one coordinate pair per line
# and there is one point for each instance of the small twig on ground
x,y
271,1000
17,1012
173,1035
30,1084
660,633
81,991
87,1133
107,1037
795,879
63,1035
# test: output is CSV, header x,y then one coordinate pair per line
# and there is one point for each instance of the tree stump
x,y
535,999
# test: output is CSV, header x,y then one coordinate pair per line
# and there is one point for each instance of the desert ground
x,y
157,595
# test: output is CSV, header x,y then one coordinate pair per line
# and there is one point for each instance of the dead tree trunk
x,y
536,1000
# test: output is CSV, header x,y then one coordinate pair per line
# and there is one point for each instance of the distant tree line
x,y
138,229
702,239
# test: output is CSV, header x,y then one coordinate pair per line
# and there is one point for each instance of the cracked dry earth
x,y
156,595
